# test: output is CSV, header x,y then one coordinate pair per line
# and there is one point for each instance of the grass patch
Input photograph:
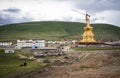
x,y
10,63
82,67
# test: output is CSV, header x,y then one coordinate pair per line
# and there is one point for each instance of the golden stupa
x,y
88,36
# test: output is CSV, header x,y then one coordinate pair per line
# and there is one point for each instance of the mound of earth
x,y
83,64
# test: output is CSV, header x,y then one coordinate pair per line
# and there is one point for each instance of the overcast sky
x,y
101,11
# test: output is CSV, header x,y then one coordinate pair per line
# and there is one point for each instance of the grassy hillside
x,y
54,30
10,63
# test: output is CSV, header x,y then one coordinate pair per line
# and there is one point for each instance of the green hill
x,y
55,30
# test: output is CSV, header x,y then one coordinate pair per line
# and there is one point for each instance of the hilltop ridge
x,y
55,29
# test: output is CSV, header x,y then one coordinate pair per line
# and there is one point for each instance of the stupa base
x,y
89,44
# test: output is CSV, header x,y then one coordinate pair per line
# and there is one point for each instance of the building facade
x,y
33,43
5,44
9,51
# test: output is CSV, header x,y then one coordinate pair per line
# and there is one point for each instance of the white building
x,y
9,51
5,44
33,43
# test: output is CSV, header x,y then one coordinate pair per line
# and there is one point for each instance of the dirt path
x,y
22,56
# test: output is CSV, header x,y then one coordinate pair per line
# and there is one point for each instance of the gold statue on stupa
x,y
88,36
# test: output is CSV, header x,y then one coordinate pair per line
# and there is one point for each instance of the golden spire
x,y
88,35
87,20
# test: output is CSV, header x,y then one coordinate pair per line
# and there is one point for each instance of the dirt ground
x,y
82,64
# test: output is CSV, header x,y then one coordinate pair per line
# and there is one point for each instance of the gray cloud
x,y
12,15
5,20
97,5
12,10
101,11
10,19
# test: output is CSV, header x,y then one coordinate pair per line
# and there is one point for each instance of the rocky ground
x,y
82,64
